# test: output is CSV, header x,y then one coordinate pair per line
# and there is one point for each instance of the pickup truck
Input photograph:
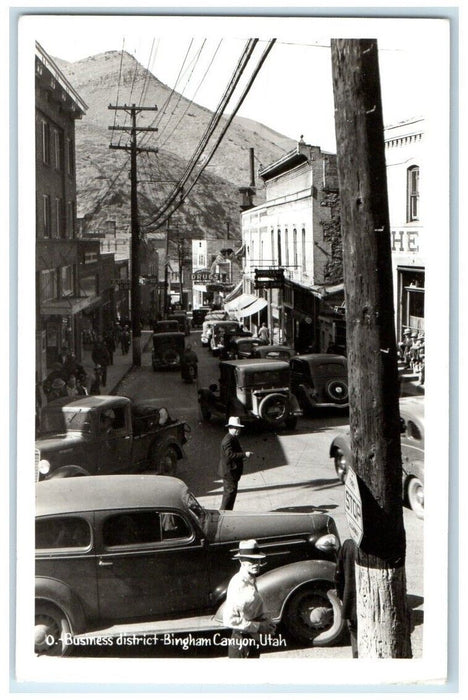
x,y
107,435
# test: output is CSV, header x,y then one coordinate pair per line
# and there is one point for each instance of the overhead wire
x,y
194,94
244,94
213,123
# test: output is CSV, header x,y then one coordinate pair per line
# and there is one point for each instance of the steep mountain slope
x,y
102,173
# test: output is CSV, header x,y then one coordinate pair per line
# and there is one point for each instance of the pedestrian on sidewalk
x,y
264,333
96,381
100,355
125,340
345,582
110,344
244,610
231,462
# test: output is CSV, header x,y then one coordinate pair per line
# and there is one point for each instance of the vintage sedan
x,y
320,380
168,349
241,348
412,452
133,554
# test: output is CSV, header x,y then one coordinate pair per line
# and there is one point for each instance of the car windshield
x,y
267,378
64,420
195,508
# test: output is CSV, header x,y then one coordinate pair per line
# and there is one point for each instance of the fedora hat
x,y
234,422
249,549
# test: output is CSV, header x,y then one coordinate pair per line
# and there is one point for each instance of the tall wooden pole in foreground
x,y
383,617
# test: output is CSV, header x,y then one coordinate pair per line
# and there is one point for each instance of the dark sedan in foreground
x,y
412,452
114,550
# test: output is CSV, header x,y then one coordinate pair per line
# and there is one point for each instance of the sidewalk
x,y
122,365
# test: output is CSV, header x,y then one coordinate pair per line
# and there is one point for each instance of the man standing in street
x,y
264,334
244,610
231,462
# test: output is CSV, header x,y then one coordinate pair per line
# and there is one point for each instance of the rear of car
x,y
168,349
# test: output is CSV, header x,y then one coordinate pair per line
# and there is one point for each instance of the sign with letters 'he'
x,y
353,506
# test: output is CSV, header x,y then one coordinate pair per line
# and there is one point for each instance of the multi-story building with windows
x,y
404,144
292,231
58,300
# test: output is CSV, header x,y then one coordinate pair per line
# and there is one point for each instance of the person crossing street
x,y
231,462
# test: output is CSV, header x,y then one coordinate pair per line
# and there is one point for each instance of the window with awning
x,y
252,308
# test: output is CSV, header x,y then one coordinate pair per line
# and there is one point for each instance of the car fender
x,y
160,443
277,586
413,468
58,593
341,442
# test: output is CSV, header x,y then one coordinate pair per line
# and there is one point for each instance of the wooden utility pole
x,y
383,616
133,110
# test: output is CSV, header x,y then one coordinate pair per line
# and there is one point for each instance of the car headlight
x,y
326,543
44,467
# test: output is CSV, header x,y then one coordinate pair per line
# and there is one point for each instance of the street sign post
x,y
353,506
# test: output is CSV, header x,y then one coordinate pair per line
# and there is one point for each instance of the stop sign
x,y
353,506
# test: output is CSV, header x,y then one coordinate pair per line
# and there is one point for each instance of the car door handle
x,y
103,562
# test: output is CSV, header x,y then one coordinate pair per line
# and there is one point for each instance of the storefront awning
x,y
322,291
240,302
68,306
236,292
253,308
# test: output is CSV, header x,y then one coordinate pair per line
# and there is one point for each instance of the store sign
x,y
405,241
269,279
204,276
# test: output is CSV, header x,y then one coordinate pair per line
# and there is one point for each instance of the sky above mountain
x,y
293,91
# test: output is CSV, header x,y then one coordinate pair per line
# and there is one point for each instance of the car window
x,y
130,528
62,533
173,526
412,430
330,368
269,378
65,419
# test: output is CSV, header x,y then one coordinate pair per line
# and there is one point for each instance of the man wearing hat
x,y
231,462
244,610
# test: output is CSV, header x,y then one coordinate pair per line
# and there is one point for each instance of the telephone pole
x,y
133,110
382,608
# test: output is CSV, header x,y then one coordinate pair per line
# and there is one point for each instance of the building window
x,y
304,259
279,247
295,247
46,215
286,246
57,149
58,218
66,280
201,259
71,219
70,157
272,261
48,285
45,143
412,188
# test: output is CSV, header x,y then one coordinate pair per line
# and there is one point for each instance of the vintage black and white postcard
x,y
233,256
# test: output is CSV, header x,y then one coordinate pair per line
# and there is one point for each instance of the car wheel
x,y
337,390
167,461
313,616
273,409
50,630
415,495
341,464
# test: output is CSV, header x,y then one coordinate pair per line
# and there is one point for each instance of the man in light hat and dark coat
x,y
231,462
244,610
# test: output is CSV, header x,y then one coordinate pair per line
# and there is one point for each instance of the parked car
x,y
222,332
141,549
198,316
168,349
242,348
107,435
412,452
166,327
182,319
207,330
254,390
274,352
320,380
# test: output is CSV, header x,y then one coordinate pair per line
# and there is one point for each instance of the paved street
x,y
289,471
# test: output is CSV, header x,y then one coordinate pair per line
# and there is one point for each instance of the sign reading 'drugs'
x,y
353,506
